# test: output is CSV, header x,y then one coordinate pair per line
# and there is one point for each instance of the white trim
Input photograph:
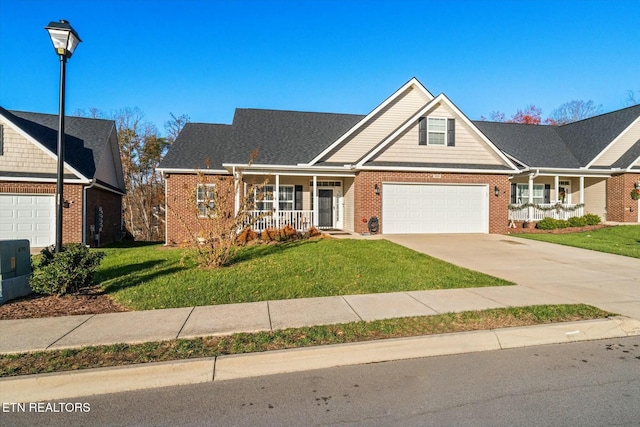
x,y
630,168
612,143
32,179
192,171
430,169
440,98
43,148
413,82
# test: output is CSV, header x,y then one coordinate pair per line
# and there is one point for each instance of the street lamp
x,y
65,40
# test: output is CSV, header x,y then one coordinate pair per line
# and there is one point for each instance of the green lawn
x,y
619,240
150,276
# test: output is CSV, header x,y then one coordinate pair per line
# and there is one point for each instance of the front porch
x,y
540,195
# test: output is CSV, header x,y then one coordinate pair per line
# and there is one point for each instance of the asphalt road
x,y
579,384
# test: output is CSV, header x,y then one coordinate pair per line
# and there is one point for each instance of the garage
x,y
32,217
434,208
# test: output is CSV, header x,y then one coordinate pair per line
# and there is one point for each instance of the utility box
x,y
15,269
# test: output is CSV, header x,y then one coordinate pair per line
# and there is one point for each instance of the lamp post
x,y
65,40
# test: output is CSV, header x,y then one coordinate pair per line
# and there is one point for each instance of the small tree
x,y
216,235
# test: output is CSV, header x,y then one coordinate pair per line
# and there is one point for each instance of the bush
x,y
592,219
547,224
65,272
577,221
247,235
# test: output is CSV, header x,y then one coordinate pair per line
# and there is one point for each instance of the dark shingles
x,y
198,146
588,137
279,137
630,156
85,138
533,145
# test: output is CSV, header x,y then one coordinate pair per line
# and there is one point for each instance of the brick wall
x,y
368,204
111,204
620,206
72,216
183,224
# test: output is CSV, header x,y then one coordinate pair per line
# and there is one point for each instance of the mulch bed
x,y
520,229
89,301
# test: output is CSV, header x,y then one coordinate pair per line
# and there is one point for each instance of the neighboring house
x,y
93,179
416,163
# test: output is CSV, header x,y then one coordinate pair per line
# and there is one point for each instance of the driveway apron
x,y
610,282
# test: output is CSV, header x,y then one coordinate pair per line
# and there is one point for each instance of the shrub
x,y
269,234
312,232
577,221
592,219
547,224
65,272
288,233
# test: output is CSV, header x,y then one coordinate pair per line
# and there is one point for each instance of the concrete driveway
x,y
610,282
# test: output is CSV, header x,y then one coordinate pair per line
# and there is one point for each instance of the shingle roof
x,y
568,146
629,157
280,137
85,138
533,145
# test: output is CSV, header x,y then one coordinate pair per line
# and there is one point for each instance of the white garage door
x,y
28,217
432,208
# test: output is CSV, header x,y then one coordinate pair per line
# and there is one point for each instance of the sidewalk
x,y
154,325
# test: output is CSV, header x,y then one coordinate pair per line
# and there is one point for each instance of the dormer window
x,y
436,131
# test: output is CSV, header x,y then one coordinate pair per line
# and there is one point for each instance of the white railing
x,y
300,220
559,211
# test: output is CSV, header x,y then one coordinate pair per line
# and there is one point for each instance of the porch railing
x,y
300,220
551,210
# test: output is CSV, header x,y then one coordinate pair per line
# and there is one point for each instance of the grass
x,y
151,277
126,354
619,240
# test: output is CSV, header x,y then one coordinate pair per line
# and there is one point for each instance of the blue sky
x,y
205,58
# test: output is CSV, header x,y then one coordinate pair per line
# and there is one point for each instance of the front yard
x,y
619,240
152,277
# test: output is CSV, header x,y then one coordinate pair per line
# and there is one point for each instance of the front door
x,y
564,192
325,208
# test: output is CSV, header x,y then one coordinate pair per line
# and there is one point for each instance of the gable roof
x,y
86,139
280,137
574,145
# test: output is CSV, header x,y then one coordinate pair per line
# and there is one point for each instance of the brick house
x,y
93,179
415,164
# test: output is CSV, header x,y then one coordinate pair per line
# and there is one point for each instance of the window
x,y
264,198
436,131
205,196
540,193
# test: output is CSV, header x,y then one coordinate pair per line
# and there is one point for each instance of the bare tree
x,y
632,98
175,125
575,110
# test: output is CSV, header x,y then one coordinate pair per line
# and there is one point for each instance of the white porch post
x,y
582,190
530,201
556,183
236,187
315,201
276,200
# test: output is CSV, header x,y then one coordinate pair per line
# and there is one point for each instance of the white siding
x,y
621,146
379,127
469,147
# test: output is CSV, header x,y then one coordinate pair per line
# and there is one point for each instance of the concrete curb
x,y
65,385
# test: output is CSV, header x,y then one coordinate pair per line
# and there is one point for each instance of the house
x,y
93,179
415,164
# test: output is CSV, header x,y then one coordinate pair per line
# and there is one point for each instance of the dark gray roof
x,y
279,137
85,138
198,146
588,137
534,145
572,145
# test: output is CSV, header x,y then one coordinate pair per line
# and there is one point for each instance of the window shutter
x,y
298,198
422,131
514,193
451,132
547,193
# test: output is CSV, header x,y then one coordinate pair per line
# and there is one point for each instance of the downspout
x,y
84,212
